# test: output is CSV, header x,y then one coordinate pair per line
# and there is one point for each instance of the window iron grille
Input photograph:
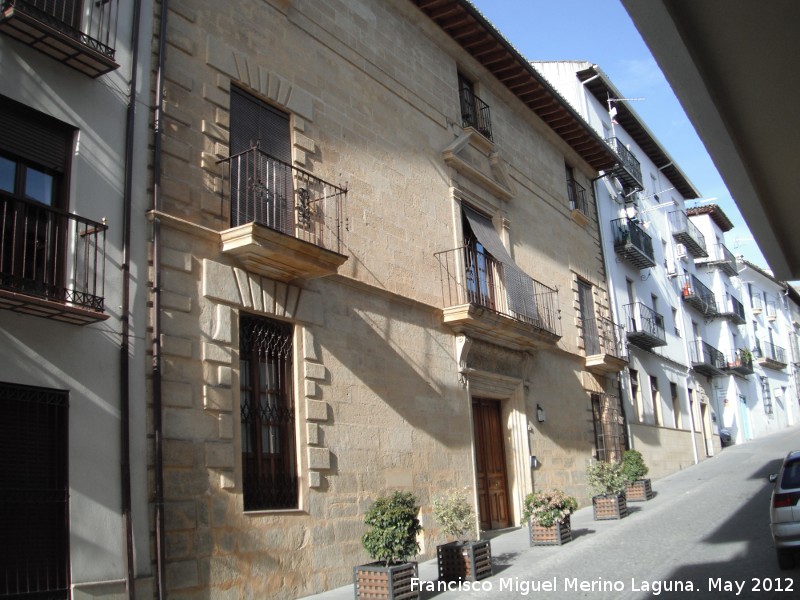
x,y
269,473
34,552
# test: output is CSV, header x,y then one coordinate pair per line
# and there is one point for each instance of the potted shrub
x,y
637,488
390,541
607,484
547,513
460,559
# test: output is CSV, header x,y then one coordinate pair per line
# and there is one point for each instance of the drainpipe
x,y
125,447
158,459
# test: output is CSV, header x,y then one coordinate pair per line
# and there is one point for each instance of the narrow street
x,y
704,535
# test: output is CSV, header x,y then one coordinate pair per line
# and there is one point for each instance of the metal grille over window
x,y
609,431
269,473
34,539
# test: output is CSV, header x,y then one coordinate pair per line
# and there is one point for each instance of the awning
x,y
518,285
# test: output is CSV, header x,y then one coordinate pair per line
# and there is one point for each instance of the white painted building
x,y
660,291
770,402
696,346
73,486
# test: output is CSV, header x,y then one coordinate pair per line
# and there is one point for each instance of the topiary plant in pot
x,y
607,484
547,513
391,540
462,558
637,488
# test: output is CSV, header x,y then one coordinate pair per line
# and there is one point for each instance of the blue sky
x,y
600,31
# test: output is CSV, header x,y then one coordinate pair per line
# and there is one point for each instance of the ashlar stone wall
x,y
381,402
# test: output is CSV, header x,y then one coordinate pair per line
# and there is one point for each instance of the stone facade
x,y
382,382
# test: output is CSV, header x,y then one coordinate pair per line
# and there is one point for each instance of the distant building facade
x,y
770,400
680,293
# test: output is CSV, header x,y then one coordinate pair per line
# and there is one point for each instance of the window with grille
x,y
655,397
269,471
609,433
766,395
34,536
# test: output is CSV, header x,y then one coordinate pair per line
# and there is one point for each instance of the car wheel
x,y
785,559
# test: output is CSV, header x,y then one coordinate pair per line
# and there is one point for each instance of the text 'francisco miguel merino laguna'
x,y
523,587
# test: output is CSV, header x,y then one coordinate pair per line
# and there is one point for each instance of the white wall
x,y
86,359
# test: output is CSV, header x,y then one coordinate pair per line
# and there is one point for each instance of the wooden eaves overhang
x,y
598,84
465,24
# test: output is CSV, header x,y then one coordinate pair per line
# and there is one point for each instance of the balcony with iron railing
x,y
644,327
286,223
52,263
628,169
604,345
771,356
685,232
732,309
740,362
697,295
487,299
82,35
578,204
632,243
475,113
720,257
706,359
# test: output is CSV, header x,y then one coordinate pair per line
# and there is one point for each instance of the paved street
x,y
707,530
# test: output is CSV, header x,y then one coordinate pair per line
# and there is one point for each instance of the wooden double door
x,y
491,464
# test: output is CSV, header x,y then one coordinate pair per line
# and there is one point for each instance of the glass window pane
x,y
39,186
8,170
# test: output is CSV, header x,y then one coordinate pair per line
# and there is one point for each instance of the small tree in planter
x,y
607,484
390,541
547,513
637,488
460,559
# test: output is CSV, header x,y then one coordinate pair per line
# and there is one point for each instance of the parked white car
x,y
785,510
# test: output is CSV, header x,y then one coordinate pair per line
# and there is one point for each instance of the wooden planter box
x,y
555,535
609,507
639,491
464,560
376,581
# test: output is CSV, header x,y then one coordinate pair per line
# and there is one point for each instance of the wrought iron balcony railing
x,y
731,308
706,359
644,326
79,34
471,277
603,336
53,256
632,243
741,362
695,293
687,233
277,195
577,197
629,169
719,256
475,113
770,355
